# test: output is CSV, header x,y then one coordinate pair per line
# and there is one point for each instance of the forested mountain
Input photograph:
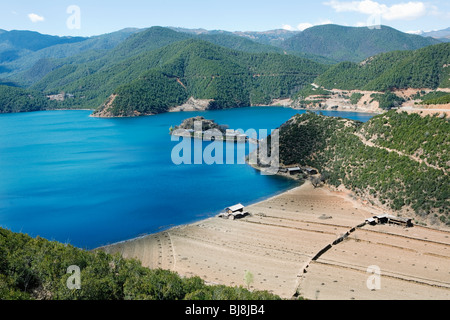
x,y
238,43
36,269
109,49
105,51
253,42
17,43
199,69
270,37
424,68
92,75
14,99
31,66
353,43
395,160
92,69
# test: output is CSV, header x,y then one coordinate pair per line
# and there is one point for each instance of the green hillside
x,y
16,43
74,68
138,43
36,269
13,99
206,70
230,69
29,68
353,43
404,166
254,42
238,43
423,68
198,69
435,97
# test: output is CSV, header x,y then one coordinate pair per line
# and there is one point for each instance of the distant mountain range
x,y
353,44
264,65
14,44
271,37
441,35
333,42
21,50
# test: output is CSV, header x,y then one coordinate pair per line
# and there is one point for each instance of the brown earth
x,y
339,101
278,241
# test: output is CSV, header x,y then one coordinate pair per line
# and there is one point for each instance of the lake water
x,y
86,181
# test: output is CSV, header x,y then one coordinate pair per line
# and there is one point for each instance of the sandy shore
x,y
278,241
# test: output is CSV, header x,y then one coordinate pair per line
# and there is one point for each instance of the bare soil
x,y
278,241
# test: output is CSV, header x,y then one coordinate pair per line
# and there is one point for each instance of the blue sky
x,y
89,17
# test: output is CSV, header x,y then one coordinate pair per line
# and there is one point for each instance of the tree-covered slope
x,y
254,42
29,68
399,161
139,42
353,43
423,68
77,67
199,69
35,268
13,99
15,43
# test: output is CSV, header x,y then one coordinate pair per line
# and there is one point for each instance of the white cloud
x,y
35,17
322,22
419,32
405,11
401,11
361,24
305,25
288,27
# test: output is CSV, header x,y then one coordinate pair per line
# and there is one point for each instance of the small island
x,y
208,130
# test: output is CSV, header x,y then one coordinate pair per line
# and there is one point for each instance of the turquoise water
x,y
86,181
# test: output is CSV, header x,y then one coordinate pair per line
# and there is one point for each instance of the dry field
x,y
278,242
339,101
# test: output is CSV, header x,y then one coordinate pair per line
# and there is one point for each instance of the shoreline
x,y
283,233
256,106
420,109
179,111
174,227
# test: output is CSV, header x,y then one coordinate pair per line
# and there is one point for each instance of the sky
x,y
95,17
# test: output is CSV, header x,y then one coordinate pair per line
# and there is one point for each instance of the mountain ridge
x,y
231,78
423,68
104,64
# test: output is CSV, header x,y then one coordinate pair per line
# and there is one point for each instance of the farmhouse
x,y
389,219
298,170
294,170
234,212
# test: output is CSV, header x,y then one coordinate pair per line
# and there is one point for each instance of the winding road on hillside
x,y
416,159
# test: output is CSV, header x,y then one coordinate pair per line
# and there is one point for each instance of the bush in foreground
x,y
36,269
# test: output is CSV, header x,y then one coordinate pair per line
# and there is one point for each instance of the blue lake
x,y
86,181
